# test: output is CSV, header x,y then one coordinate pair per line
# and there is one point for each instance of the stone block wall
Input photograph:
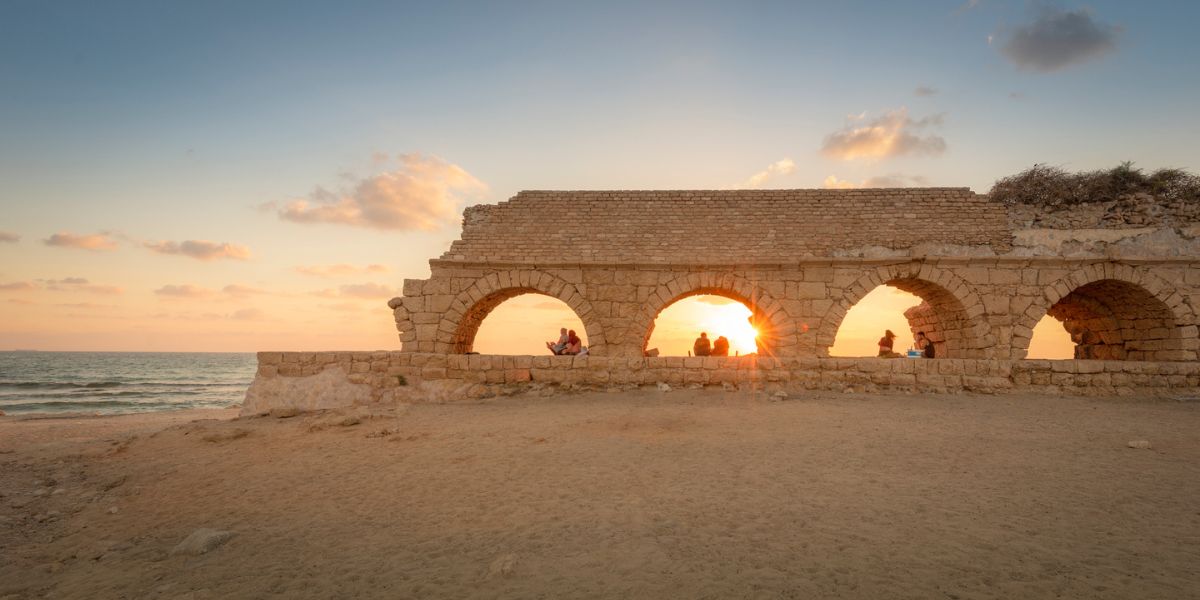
x,y
323,380
722,226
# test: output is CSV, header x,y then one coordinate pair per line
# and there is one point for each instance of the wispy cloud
x,y
9,238
186,290
243,291
967,6
833,183
86,305
423,193
365,291
201,249
79,284
1057,39
343,307
95,241
17,286
925,91
779,168
67,284
891,180
248,314
339,270
888,135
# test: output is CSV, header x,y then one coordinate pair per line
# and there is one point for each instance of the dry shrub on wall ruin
x,y
1051,187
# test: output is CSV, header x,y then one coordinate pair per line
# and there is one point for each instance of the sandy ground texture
x,y
639,494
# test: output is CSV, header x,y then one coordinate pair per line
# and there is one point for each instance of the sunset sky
x,y
258,175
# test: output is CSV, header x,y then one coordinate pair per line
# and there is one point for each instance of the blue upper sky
x,y
172,121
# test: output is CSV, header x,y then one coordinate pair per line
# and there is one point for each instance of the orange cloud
x,y
95,242
366,291
778,168
891,134
242,291
342,307
201,249
248,314
424,193
339,270
79,284
183,291
69,284
891,180
9,238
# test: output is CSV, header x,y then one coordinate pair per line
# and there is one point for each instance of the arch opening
x,y
1112,319
1050,341
675,329
718,312
515,321
865,323
926,307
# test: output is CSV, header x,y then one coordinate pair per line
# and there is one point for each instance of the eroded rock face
x,y
331,388
1127,212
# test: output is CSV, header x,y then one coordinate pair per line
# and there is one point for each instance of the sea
x,y
110,383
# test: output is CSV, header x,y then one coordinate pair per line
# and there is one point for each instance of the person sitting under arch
x,y
574,344
720,347
885,345
924,344
702,347
561,344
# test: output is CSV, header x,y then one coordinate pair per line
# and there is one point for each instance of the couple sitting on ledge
x,y
568,344
718,348
922,343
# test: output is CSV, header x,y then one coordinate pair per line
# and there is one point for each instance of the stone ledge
x,y
383,376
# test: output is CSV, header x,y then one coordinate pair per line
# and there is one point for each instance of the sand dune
x,y
691,494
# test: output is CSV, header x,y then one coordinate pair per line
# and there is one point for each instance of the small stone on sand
x,y
202,541
1139,444
503,566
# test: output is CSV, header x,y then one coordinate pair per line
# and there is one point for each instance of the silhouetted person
x,y
702,346
561,344
720,347
924,344
886,343
574,344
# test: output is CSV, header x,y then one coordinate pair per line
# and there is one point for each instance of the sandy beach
x,y
638,494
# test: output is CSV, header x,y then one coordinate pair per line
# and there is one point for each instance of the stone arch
x,y
777,331
461,321
1114,311
951,313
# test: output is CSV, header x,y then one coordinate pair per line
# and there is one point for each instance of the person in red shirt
x,y
885,345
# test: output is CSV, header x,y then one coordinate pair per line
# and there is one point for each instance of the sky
x,y
233,176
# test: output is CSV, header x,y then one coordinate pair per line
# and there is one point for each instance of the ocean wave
x,y
68,385
94,405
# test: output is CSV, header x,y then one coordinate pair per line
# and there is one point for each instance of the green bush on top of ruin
x,y
1044,185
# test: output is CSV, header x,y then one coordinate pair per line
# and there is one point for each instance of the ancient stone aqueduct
x,y
1122,276
799,259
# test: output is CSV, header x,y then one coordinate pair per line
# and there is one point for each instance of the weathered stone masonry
x,y
799,259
